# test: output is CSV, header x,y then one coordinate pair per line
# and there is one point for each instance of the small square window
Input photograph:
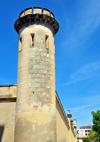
x,y
32,40
20,44
85,130
46,41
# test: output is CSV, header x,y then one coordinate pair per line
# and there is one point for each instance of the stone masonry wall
x,y
36,109
36,71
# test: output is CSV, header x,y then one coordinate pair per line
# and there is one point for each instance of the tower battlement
x,y
36,10
32,15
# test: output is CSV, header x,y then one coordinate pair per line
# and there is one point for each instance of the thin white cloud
x,y
81,107
83,112
90,102
85,72
87,22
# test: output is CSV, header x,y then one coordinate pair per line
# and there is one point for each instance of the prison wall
x,y
72,133
65,131
36,85
7,112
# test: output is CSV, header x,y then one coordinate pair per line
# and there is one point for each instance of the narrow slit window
x,y
32,39
47,41
20,44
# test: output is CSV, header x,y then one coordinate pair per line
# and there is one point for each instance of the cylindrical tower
x,y
35,119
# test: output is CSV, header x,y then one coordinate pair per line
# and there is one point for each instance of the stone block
x,y
28,11
46,12
37,10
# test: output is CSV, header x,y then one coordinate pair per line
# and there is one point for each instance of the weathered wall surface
x,y
61,125
8,91
36,85
65,132
7,112
36,71
38,126
31,122
73,138
7,121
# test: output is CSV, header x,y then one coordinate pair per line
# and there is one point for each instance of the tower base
x,y
35,127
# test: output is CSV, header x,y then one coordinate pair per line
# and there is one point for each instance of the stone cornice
x,y
63,112
27,17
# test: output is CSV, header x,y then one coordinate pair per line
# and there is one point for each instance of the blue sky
x,y
77,51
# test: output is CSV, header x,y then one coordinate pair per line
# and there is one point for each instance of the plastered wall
x,y
8,91
65,132
7,112
73,138
7,121
61,125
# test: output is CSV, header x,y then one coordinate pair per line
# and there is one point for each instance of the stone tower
x,y
35,119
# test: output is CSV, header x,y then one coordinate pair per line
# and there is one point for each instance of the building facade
x,y
31,110
83,131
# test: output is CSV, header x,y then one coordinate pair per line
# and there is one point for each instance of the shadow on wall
x,y
63,140
1,132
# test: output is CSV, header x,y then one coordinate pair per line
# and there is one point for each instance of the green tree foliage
x,y
96,121
94,136
86,139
